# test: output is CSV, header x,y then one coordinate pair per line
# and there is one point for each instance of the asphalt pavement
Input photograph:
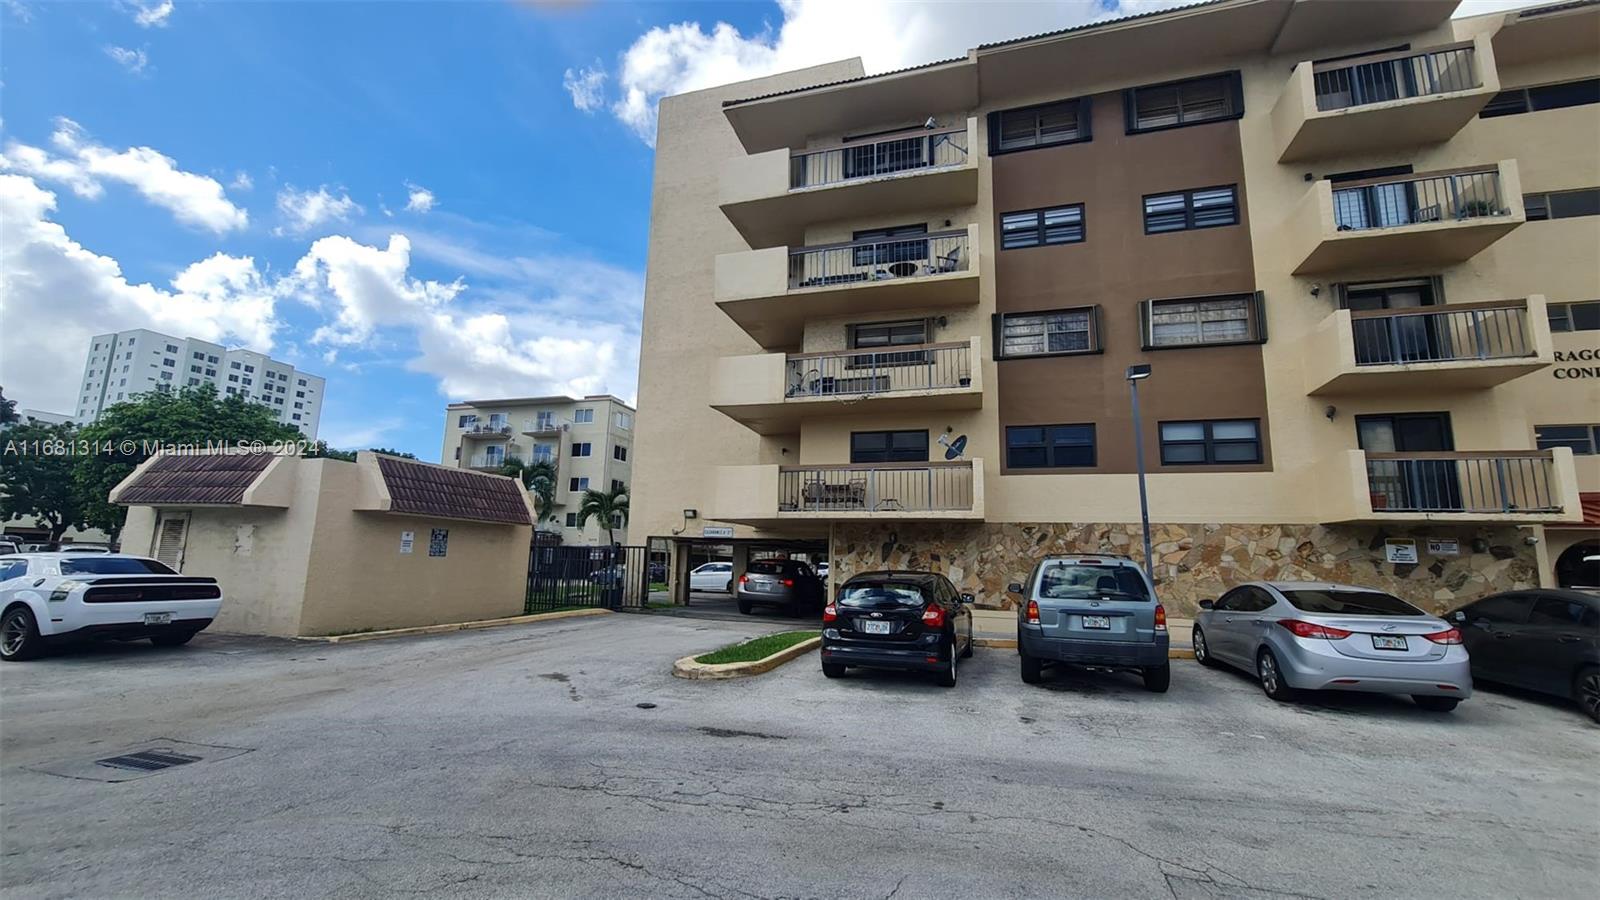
x,y
518,762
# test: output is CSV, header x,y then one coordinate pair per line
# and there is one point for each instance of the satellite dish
x,y
953,449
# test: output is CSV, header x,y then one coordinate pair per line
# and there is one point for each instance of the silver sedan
x,y
1314,636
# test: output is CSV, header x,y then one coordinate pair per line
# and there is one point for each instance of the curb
x,y
453,626
694,671
1011,644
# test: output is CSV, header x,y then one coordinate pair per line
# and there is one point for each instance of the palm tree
x,y
539,477
610,507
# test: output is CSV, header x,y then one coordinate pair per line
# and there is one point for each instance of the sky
x,y
421,202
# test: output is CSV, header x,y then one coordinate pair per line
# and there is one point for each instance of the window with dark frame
x,y
1542,97
888,446
1061,122
1047,332
1197,100
1050,446
620,453
582,448
1582,316
1202,321
889,245
1562,204
1584,440
1038,227
883,336
1183,210
1218,442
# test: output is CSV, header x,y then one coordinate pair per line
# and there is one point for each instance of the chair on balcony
x,y
950,262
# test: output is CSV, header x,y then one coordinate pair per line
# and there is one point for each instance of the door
x,y
1492,626
1396,339
1552,643
1243,622
1410,484
171,539
960,616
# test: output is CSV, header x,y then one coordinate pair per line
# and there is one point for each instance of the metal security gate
x,y
607,577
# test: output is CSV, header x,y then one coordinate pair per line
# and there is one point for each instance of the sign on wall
x,y
1443,547
407,539
438,541
1400,552
717,531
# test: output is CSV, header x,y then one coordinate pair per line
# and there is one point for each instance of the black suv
x,y
897,620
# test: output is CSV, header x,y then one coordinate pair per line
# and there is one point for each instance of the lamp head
x,y
1139,372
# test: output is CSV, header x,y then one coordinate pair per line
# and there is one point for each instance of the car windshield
x,y
880,595
113,565
1072,580
1351,603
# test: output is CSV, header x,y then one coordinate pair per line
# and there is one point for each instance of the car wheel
x,y
744,606
728,588
1032,668
1158,678
173,638
833,670
1202,653
947,675
1436,704
1586,690
1271,675
19,636
967,653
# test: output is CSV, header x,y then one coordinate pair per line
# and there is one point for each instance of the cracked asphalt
x,y
515,762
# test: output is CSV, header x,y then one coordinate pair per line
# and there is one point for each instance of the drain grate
x,y
148,760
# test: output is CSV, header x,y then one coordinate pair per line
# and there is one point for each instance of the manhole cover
x,y
148,761
141,760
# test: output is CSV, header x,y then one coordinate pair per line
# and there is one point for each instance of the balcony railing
x,y
879,260
914,367
540,426
1503,481
932,150
1395,76
485,428
491,460
1442,334
880,487
1391,201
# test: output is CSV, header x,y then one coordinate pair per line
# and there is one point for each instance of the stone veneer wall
x,y
1195,562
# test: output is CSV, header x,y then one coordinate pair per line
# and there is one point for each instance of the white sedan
x,y
54,598
712,576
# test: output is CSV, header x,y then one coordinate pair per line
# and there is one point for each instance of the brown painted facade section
x,y
1116,267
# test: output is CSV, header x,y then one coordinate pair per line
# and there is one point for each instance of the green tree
x,y
610,507
8,409
539,477
36,477
134,430
321,449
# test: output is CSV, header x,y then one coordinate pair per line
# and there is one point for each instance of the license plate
x,y
875,627
1097,622
760,586
158,618
1388,642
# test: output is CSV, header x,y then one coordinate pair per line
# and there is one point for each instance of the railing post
x,y
1500,478
1477,329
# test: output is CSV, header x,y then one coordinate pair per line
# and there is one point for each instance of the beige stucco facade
x,y
722,427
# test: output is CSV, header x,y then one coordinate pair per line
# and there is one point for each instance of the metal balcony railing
x,y
879,260
886,370
487,428
491,460
1393,200
879,487
931,150
1347,83
1504,481
541,426
1442,334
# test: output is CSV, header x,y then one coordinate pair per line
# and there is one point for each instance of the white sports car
x,y
54,598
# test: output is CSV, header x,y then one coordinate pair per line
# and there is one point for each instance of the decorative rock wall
x,y
1195,562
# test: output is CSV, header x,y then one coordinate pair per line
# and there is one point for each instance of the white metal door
x,y
172,535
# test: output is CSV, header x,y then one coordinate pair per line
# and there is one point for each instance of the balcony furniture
x,y
950,262
903,269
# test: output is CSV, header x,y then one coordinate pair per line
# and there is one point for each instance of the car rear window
x,y
1351,603
775,567
1072,580
880,595
113,565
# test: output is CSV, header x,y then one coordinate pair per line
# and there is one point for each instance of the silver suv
x,y
1092,611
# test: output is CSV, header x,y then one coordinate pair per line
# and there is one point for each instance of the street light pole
x,y
1137,374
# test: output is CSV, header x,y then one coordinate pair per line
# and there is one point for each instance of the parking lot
x,y
517,761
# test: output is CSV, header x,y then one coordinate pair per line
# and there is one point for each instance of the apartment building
x,y
893,315
127,363
589,441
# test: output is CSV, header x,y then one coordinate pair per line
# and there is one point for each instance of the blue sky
x,y
422,202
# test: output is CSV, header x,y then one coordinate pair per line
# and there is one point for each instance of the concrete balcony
x,y
1489,486
1385,101
770,393
771,292
768,496
1426,219
1457,346
543,427
772,197
491,462
486,432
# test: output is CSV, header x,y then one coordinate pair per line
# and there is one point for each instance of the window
x,y
617,486
572,520
583,416
578,484
888,446
1556,612
300,395
1575,316
1217,443
1193,322
199,356
166,376
881,336
246,382
1179,103
1562,204
1183,210
249,368
1035,228
296,417
1545,96
1511,609
543,453
1049,446
172,348
583,448
1583,439
211,373
1062,122
622,420
234,365
619,452
194,369
299,406
170,363
467,421
1047,333
211,359
1334,602
232,377
301,382
889,245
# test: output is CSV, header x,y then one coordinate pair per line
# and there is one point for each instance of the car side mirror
x,y
968,598
1208,604
1014,588
1459,617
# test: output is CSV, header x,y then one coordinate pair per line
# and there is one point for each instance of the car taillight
x,y
788,582
1033,612
933,617
830,613
1447,636
744,579
1312,630
1161,617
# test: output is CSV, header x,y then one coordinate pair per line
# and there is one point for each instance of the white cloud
x,y
55,294
242,181
149,15
587,86
193,199
132,60
418,199
305,210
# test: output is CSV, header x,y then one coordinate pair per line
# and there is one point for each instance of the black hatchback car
x,y
897,620
1540,640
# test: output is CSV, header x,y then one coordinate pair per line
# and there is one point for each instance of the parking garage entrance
x,y
709,593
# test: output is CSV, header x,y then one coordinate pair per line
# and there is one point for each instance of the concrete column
x,y
680,573
741,560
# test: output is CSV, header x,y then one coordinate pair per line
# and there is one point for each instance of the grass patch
x,y
756,648
658,586
657,604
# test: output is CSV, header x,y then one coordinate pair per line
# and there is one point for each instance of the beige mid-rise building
x,y
889,318
589,440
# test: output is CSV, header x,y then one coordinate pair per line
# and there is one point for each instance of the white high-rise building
x,y
139,361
